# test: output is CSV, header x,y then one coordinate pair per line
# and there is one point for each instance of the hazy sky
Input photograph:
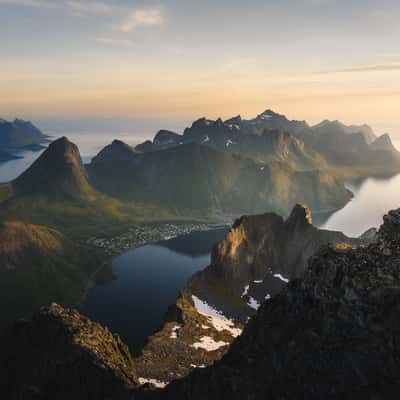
x,y
309,59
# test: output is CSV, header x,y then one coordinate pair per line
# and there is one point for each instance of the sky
x,y
308,59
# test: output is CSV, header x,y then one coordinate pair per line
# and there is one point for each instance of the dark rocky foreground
x,y
332,334
60,354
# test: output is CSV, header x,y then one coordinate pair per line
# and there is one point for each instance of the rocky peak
x,y
61,354
234,121
164,137
300,216
202,123
384,143
58,171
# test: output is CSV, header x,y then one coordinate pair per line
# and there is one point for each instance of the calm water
x,y
372,199
148,280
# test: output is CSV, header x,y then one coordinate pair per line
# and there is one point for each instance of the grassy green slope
x,y
38,266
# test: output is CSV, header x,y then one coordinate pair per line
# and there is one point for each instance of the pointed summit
x,y
57,172
383,143
300,216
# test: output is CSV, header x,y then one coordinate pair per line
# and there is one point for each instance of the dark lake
x,y
148,280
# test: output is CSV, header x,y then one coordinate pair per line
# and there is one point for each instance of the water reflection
x,y
372,199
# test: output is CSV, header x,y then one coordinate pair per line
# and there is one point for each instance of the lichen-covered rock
x,y
60,354
332,335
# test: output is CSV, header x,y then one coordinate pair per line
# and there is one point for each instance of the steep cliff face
x,y
60,354
257,258
332,335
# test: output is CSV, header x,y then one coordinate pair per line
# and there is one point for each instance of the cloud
x,y
142,17
89,7
30,3
114,42
366,68
76,6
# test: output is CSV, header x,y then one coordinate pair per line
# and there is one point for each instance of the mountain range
x,y
194,179
345,151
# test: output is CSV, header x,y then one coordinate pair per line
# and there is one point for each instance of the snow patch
x,y
266,116
282,278
154,382
245,290
215,317
253,303
197,366
262,168
206,139
268,296
258,281
209,344
174,332
229,142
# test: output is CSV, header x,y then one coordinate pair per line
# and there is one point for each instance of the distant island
x,y
17,136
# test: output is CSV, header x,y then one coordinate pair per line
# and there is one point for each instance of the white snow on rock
x,y
209,344
253,303
245,290
262,168
206,139
268,296
174,332
197,366
154,382
258,281
215,317
266,116
282,278
229,142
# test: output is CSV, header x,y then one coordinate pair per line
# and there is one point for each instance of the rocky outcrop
x,y
258,257
60,354
189,339
331,335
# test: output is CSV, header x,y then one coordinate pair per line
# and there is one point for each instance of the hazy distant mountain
x,y
200,180
331,146
332,127
383,143
19,133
